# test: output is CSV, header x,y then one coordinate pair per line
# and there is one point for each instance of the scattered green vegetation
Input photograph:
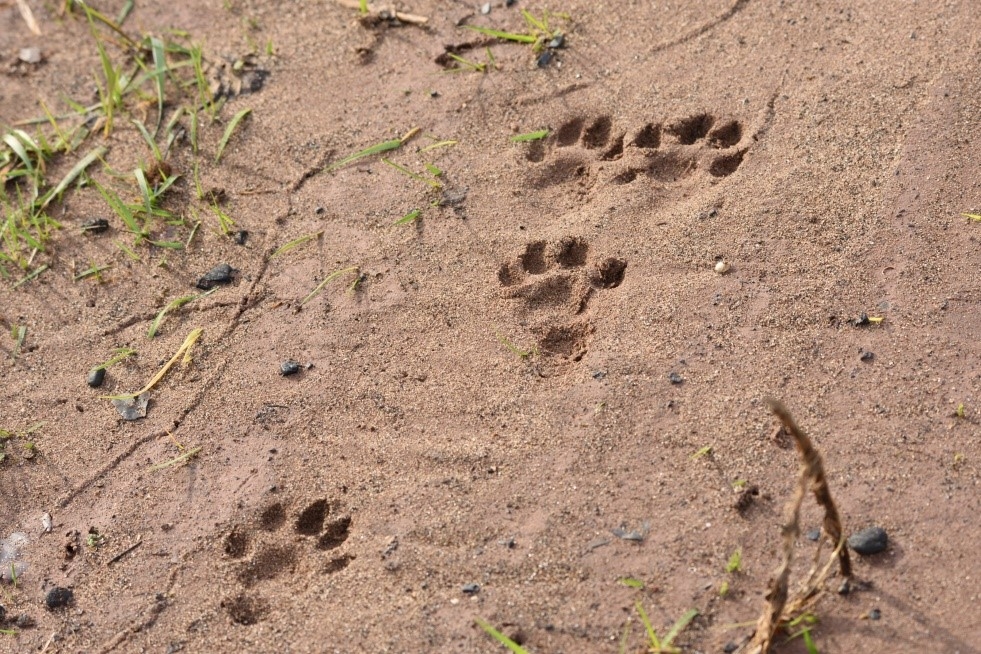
x,y
735,562
665,645
92,271
408,218
94,540
539,33
630,582
705,451
433,182
523,354
295,243
172,306
960,412
232,125
331,277
378,148
501,638
184,349
186,456
803,623
530,136
120,354
18,333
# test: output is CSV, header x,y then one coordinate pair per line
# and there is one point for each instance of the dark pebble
x,y
867,356
25,621
508,3
95,226
869,541
599,374
3,614
59,597
471,589
675,378
730,647
875,614
220,274
862,321
287,368
813,535
557,42
241,236
320,211
96,377
544,59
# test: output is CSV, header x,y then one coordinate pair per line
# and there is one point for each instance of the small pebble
x,y
813,535
471,589
46,522
722,266
730,647
485,8
319,211
862,320
558,41
59,597
30,55
25,621
675,378
3,613
287,368
544,59
599,374
220,274
875,614
869,541
867,356
95,377
241,236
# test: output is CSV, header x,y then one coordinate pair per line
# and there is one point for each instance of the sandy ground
x,y
530,366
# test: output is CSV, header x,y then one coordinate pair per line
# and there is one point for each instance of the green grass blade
x,y
145,192
415,176
171,306
149,140
367,152
408,218
334,275
678,626
159,70
236,119
530,136
809,642
501,638
283,249
439,144
73,174
507,36
19,149
177,459
651,634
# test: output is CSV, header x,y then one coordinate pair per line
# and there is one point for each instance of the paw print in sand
x,y
262,551
553,283
664,153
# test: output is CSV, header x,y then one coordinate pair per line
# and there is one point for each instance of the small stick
x,y
28,16
412,19
125,552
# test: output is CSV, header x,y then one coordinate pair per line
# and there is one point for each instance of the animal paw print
x,y
260,551
554,282
681,149
664,153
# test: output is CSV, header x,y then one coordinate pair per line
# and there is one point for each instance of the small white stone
x,y
722,266
46,522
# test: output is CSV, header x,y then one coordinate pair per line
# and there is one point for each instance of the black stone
x,y
95,226
813,535
287,368
241,236
96,377
862,321
867,356
869,541
220,274
675,378
730,647
558,41
3,614
59,597
875,614
25,621
544,59
471,589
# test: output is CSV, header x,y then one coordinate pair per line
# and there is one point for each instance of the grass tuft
x,y
232,125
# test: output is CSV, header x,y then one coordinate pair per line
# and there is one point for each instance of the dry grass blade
x,y
177,459
780,608
73,174
334,275
28,16
184,349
